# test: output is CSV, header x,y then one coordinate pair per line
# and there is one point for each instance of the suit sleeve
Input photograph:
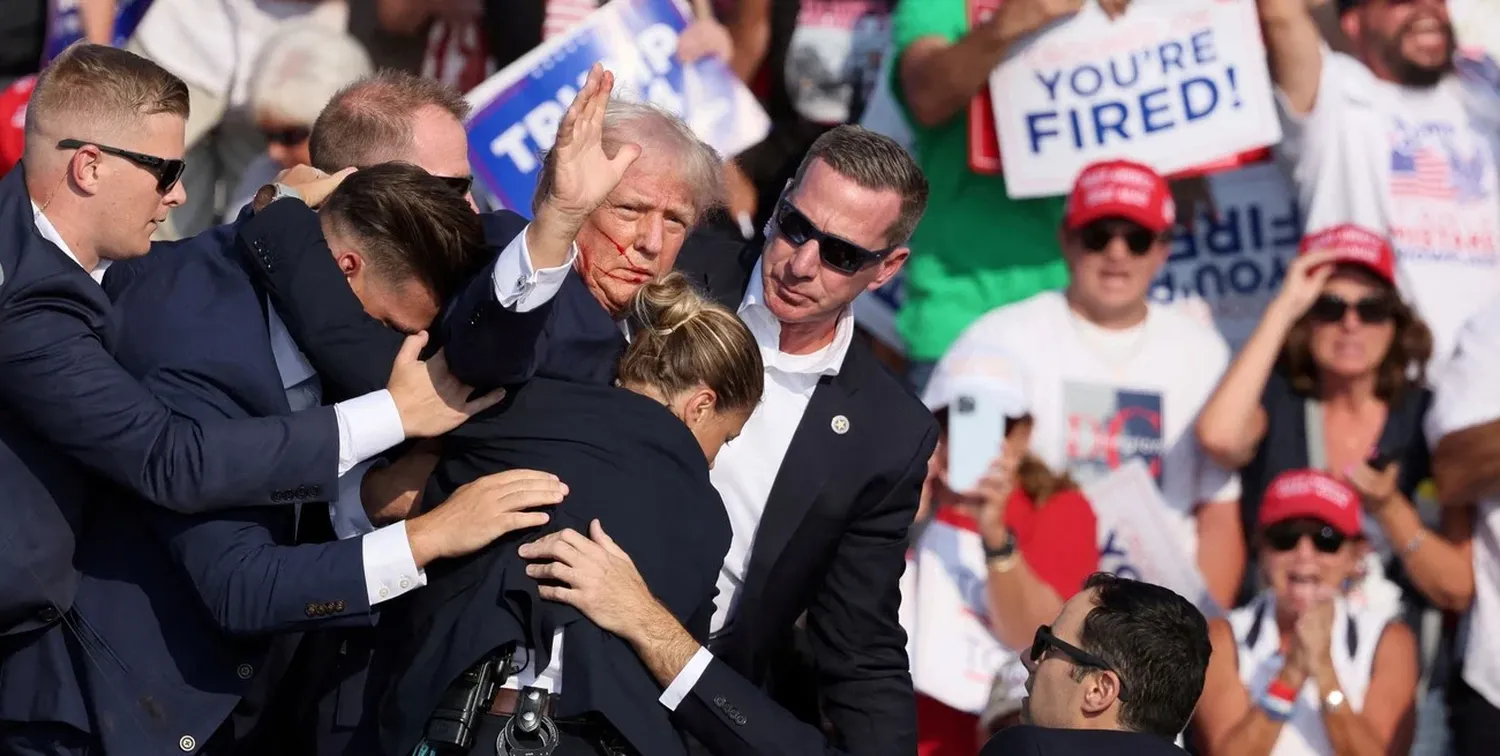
x,y
351,351
732,717
854,628
57,378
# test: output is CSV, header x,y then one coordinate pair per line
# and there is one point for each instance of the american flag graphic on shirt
x,y
1420,170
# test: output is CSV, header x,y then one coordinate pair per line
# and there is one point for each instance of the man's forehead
x,y
654,188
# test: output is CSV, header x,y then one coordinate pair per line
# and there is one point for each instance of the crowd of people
x,y
311,449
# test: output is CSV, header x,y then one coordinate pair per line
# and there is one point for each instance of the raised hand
x,y
481,511
584,173
430,400
1304,282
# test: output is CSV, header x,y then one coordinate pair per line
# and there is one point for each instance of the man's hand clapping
x,y
481,511
429,399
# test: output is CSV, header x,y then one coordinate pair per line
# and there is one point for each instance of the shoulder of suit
x,y
880,388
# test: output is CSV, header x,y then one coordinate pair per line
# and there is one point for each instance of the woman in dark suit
x,y
635,456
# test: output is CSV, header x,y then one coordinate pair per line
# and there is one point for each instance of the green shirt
x,y
976,249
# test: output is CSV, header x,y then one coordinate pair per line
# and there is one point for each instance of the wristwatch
x,y
1333,700
1003,557
272,192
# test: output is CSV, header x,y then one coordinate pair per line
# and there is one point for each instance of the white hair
x,y
653,128
301,69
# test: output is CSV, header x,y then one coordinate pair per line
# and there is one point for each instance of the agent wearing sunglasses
x,y
1116,377
1118,671
1332,379
1300,670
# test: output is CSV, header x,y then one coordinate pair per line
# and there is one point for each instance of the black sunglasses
x,y
1328,308
1044,640
842,255
1096,236
1285,535
167,172
460,184
288,137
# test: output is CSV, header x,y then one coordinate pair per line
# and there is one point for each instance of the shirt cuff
x,y
685,680
390,569
348,511
521,287
368,425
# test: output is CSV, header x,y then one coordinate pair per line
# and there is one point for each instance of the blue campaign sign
x,y
516,111
65,25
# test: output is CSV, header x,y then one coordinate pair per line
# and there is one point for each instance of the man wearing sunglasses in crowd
x,y
1119,671
1305,667
822,484
1117,377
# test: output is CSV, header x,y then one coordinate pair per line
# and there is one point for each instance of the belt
x,y
508,701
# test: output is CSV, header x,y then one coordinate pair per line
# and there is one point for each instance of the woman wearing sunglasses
x,y
1301,670
1333,379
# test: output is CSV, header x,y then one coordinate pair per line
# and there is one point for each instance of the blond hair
x,y
684,340
95,91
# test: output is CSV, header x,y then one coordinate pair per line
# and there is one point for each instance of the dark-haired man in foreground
x,y
1119,671
196,330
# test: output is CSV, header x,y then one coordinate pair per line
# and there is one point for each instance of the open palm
x,y
584,173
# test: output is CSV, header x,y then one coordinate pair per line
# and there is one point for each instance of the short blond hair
x,y
101,89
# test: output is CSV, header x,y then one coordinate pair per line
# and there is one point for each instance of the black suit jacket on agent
x,y
832,539
630,464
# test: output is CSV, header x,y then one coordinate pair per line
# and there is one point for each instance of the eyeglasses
x,y
1044,640
460,184
842,255
1285,535
1096,236
167,172
288,137
1371,310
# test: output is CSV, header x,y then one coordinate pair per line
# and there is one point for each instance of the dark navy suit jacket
x,y
183,608
73,426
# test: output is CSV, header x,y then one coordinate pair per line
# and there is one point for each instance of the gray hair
x,y
654,129
301,69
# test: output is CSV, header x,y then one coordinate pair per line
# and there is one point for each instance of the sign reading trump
x,y
1174,84
516,111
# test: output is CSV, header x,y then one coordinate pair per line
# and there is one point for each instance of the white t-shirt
x,y
833,57
1103,398
1419,163
213,44
1468,394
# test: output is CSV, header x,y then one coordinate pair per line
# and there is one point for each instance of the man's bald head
x,y
391,115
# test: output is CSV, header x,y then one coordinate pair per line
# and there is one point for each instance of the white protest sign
x,y
1174,84
1235,264
1135,538
954,656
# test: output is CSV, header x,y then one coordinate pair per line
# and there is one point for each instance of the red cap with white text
x,y
1354,245
1121,189
1313,494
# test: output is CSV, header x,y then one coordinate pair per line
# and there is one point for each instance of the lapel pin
x,y
840,424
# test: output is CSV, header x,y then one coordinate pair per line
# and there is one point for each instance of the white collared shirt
x,y
390,569
746,469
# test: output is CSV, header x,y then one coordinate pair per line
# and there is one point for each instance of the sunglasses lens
x,y
460,184
1328,309
1375,310
1039,643
170,173
1095,237
1139,240
1327,540
1282,538
794,225
841,255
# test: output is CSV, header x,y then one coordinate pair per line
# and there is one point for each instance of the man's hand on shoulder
x,y
430,400
309,184
481,511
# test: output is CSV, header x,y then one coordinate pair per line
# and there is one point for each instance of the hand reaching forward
x,y
584,173
429,399
480,512
601,580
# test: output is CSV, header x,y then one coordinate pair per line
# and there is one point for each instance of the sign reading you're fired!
x,y
1173,84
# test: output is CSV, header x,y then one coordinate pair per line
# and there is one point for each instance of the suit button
x,y
245,671
338,606
719,701
302,493
311,610
316,491
739,719
405,583
385,593
48,614
187,743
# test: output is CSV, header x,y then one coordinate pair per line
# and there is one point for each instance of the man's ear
x,y
890,265
350,263
84,169
1101,689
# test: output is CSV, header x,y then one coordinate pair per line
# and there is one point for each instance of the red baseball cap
x,y
1354,245
1121,189
1313,494
13,101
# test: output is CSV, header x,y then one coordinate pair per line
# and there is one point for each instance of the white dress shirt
x,y
746,469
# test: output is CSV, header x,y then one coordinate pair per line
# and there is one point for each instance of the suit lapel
x,y
815,447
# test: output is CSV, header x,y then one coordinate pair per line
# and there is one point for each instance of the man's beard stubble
x,y
1411,74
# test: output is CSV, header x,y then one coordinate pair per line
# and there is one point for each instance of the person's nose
x,y
806,260
177,196
1117,250
1027,662
650,236
472,204
1305,548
